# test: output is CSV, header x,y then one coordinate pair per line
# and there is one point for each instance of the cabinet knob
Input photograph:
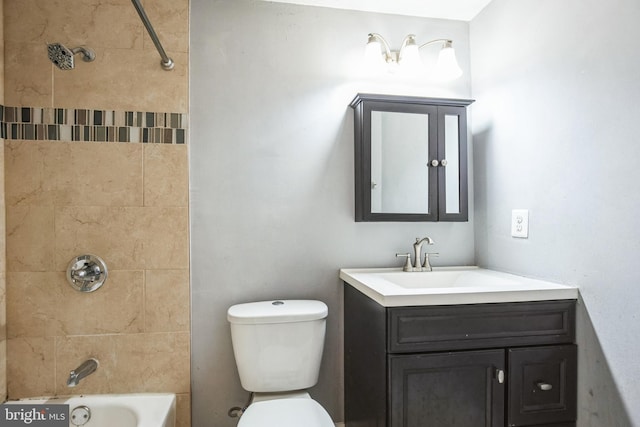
x,y
435,163
544,386
443,162
500,376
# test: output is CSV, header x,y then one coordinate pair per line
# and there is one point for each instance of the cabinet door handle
x,y
443,162
435,163
500,376
544,386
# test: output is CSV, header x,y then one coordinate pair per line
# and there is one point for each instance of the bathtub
x,y
114,410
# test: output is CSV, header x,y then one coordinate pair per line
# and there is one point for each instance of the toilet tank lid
x,y
280,311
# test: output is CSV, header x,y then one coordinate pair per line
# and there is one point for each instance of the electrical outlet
x,y
520,223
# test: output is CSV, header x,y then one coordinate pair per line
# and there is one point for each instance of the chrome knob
x,y
86,273
443,162
435,163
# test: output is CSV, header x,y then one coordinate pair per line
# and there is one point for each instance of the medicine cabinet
x,y
410,158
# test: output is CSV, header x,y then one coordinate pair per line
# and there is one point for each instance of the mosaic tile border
x,y
83,125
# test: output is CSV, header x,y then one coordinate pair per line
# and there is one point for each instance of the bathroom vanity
x,y
423,354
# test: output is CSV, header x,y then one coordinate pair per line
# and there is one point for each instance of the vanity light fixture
x,y
378,53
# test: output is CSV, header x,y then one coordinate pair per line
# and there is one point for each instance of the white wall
x,y
271,169
556,132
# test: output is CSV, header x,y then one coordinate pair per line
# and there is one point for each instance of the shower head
x,y
62,56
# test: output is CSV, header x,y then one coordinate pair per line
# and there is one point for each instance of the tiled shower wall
x,y
95,161
3,257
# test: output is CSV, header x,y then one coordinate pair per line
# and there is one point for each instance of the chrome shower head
x,y
62,56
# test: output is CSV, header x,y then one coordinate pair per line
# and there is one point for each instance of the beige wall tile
x,y
26,20
94,23
31,304
170,18
128,363
74,174
101,174
154,362
27,75
3,253
44,304
166,238
71,351
110,233
166,300
2,57
117,307
3,307
126,238
122,79
24,173
183,410
30,367
30,238
166,175
3,209
3,370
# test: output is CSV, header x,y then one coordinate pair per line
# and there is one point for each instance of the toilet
x,y
278,348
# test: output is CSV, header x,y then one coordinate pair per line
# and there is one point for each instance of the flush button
x,y
277,303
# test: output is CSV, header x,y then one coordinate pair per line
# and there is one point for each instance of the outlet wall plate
x,y
520,223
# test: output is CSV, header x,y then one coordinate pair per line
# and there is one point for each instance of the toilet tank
x,y
278,344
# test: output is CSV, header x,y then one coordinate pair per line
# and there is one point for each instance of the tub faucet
x,y
417,251
86,368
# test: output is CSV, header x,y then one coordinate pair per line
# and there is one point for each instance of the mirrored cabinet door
x,y
401,145
410,158
452,173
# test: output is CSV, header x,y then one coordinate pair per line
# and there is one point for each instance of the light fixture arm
x,y
447,42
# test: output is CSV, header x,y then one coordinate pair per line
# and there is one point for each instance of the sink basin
x,y
392,287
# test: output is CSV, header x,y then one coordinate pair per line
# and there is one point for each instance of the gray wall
x,y
271,169
556,132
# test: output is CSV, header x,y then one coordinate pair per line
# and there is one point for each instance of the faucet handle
x,y
426,265
407,264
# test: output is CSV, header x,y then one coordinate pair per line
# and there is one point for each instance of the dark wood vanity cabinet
x,y
480,365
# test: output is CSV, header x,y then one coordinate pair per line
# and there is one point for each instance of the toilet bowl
x,y
278,348
293,411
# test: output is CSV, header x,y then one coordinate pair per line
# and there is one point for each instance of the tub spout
x,y
86,368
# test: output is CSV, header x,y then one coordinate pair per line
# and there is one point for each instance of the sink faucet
x,y
417,251
86,368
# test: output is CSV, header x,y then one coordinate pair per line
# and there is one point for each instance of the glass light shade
x,y
373,54
410,57
447,67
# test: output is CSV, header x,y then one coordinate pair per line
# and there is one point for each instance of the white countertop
x,y
392,287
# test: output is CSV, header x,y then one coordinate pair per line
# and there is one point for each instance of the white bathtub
x,y
116,410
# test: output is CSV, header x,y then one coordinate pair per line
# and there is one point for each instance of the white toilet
x,y
278,347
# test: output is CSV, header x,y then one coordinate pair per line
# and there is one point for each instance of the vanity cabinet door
x,y
542,385
458,389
